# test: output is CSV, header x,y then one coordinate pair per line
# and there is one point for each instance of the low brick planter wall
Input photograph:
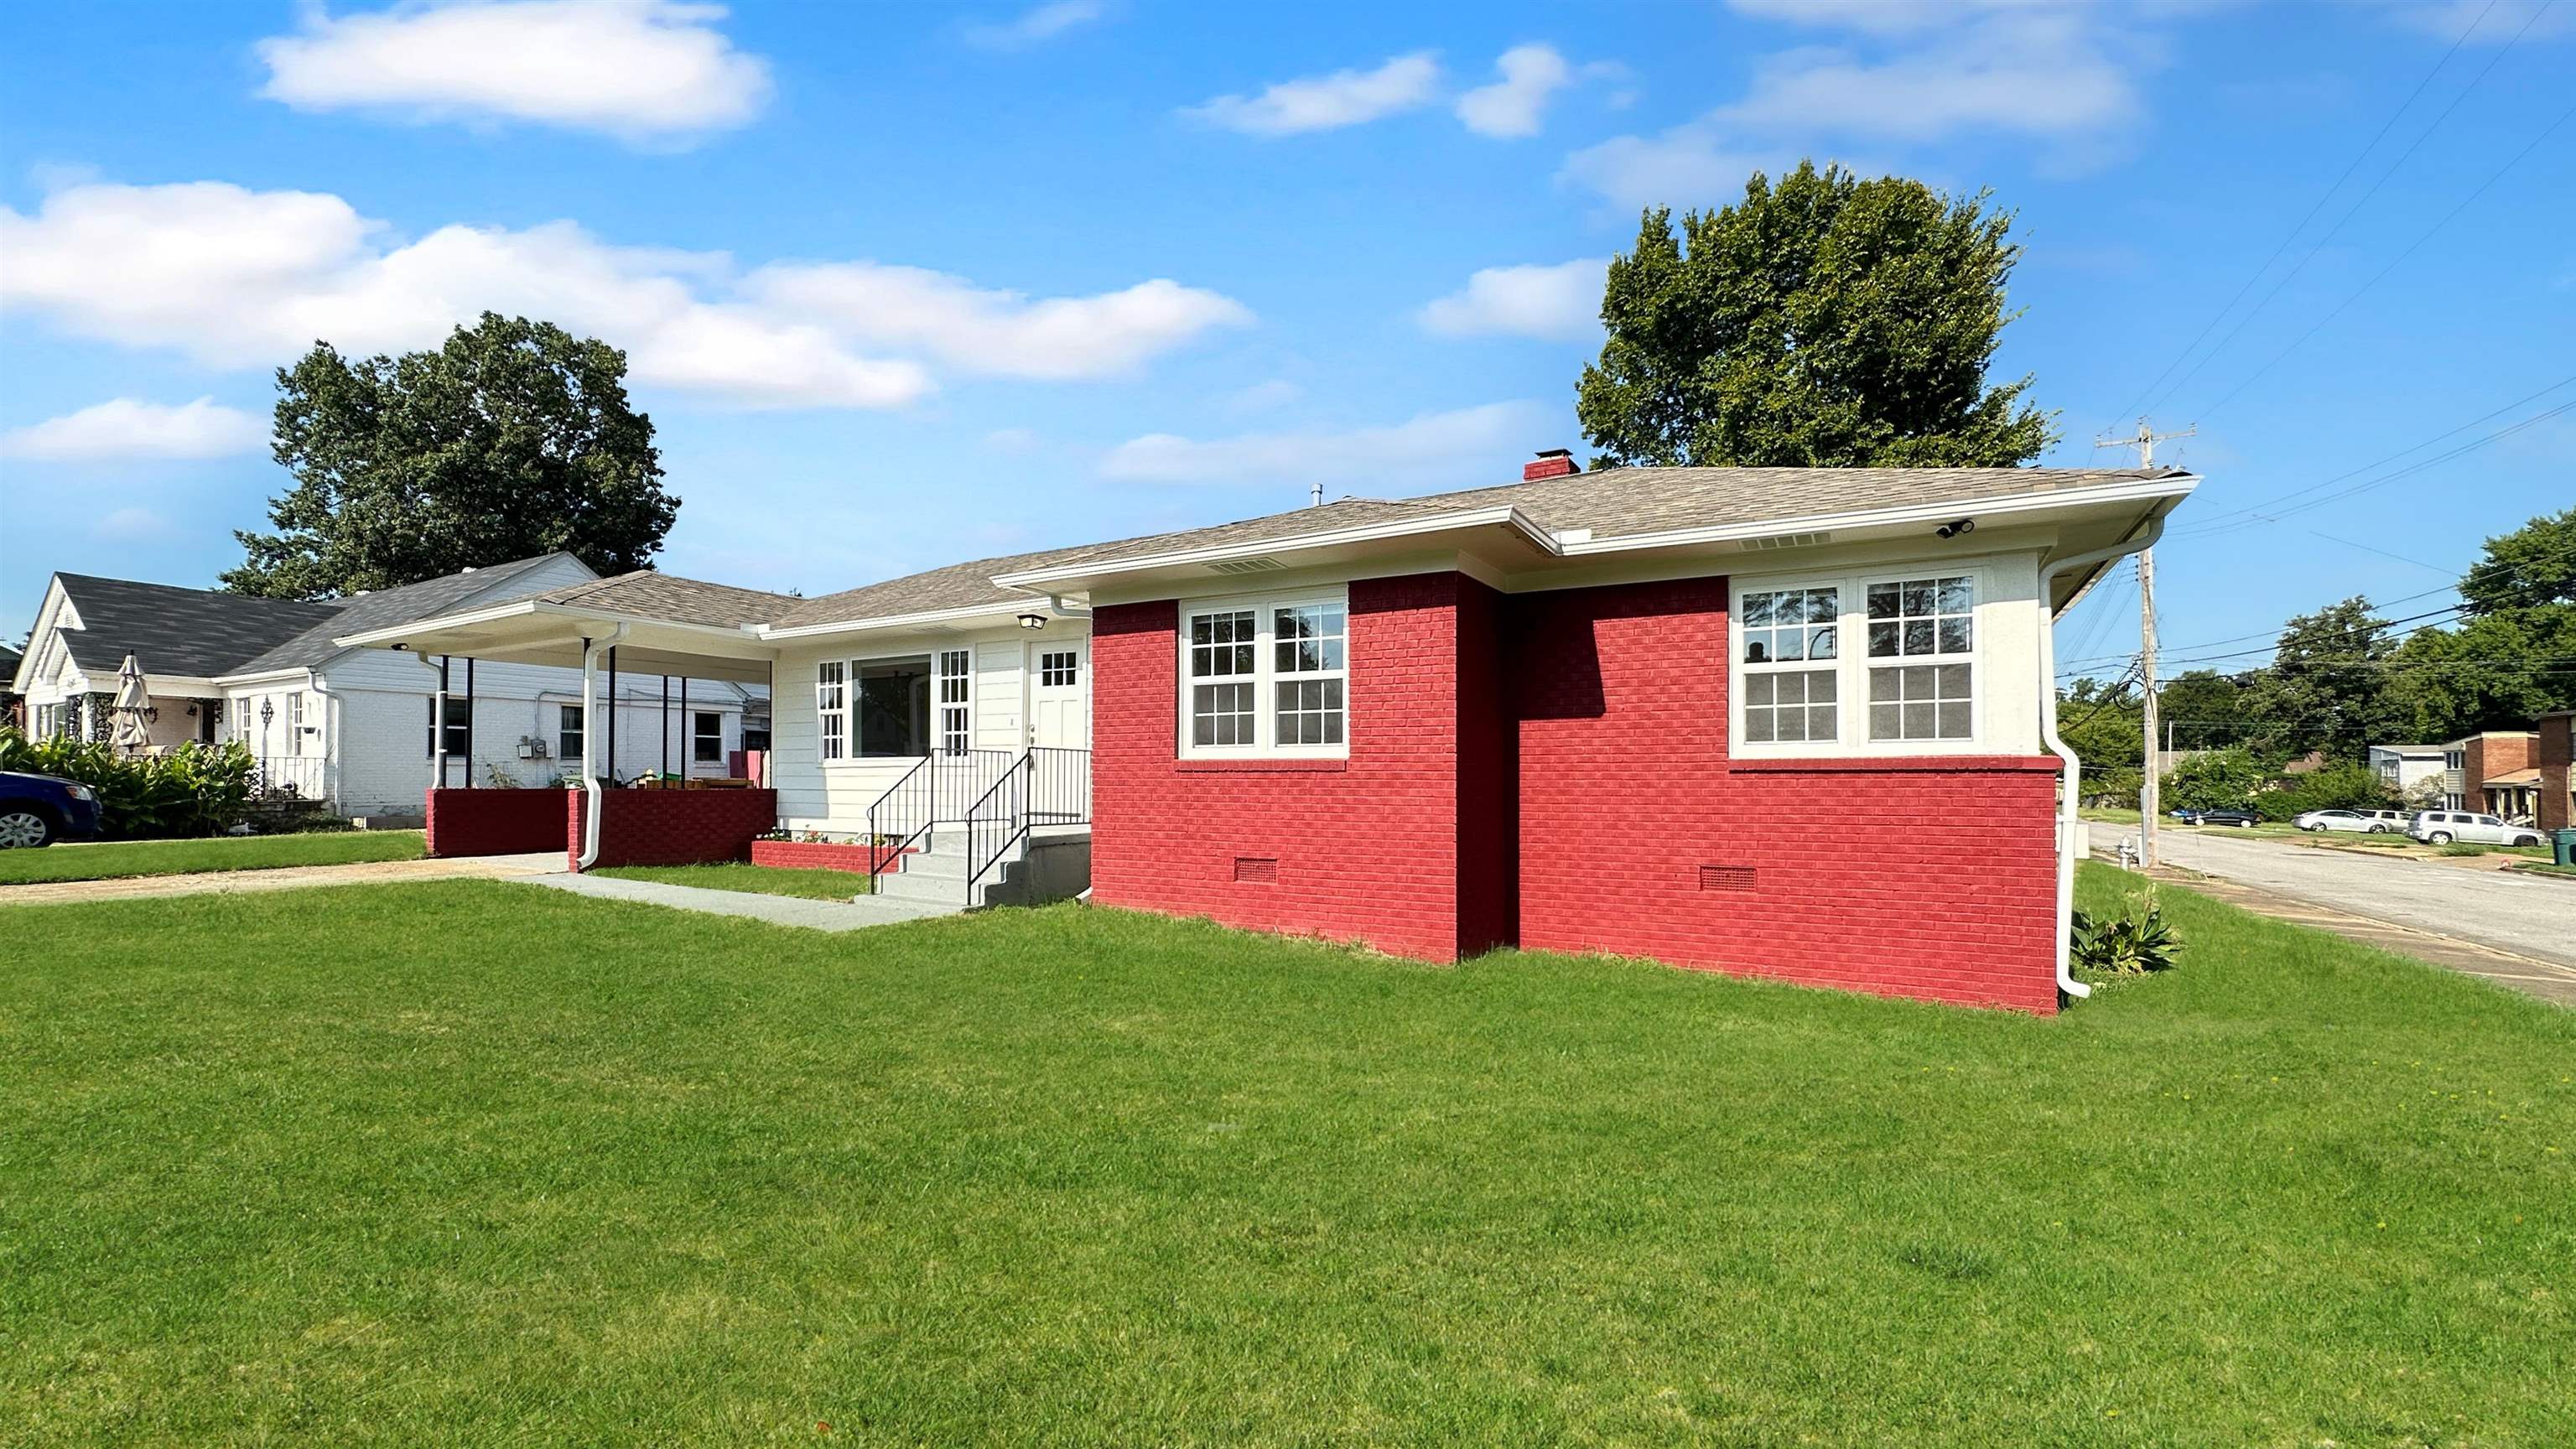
x,y
673,827
810,855
496,822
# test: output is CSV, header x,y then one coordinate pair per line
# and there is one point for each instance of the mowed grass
x,y
768,880
113,859
471,1163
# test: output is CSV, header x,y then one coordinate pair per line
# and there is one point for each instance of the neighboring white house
x,y
2403,767
354,726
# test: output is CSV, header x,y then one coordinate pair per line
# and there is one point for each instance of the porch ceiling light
x,y
1033,620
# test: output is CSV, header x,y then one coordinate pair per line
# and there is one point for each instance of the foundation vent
x,y
1726,877
1786,540
1246,566
1256,870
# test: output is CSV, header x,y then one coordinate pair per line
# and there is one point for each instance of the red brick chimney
x,y
1552,463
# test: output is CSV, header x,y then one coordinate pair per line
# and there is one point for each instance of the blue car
x,y
40,809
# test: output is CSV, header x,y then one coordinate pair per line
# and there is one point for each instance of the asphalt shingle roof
x,y
652,595
1613,503
382,608
172,630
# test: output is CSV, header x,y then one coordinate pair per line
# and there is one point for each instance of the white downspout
x,y
2068,821
590,742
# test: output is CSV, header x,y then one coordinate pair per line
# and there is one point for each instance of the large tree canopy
x,y
513,439
1824,322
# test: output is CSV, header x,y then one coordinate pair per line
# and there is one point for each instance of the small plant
x,y
2125,945
2456,848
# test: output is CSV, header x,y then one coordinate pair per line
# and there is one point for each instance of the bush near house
x,y
2236,779
192,790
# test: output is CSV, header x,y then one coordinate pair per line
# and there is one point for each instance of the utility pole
x,y
2151,782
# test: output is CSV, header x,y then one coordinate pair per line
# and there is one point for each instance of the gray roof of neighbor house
x,y
378,609
652,595
1613,503
170,630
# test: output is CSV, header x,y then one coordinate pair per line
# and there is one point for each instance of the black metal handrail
x,y
937,788
1048,785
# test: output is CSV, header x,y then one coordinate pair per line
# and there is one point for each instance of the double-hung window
x,y
831,708
706,736
1857,662
1922,658
568,732
1269,676
459,710
956,701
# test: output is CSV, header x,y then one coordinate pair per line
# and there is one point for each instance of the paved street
x,y
2530,917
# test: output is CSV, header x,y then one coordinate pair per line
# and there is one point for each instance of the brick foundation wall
x,y
496,822
1363,849
810,855
2557,745
674,827
1931,878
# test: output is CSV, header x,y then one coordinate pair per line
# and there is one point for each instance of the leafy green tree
x,y
2215,780
2326,688
1824,322
2098,719
515,438
2532,567
2207,709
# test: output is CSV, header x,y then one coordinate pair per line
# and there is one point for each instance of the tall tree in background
x,y
1824,322
2326,688
2513,655
513,439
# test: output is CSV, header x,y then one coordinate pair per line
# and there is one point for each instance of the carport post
x,y
438,731
469,721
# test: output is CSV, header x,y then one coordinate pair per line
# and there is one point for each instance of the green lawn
x,y
767,880
2542,867
107,860
467,1162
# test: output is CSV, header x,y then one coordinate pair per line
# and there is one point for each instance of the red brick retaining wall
x,y
495,822
674,827
810,855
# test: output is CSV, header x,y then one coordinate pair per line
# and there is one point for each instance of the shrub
x,y
2336,787
2126,945
2214,780
192,790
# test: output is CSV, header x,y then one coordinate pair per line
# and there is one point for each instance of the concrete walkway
x,y
282,878
812,915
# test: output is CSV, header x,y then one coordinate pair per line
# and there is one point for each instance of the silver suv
x,y
2441,827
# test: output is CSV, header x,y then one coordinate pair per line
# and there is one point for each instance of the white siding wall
x,y
814,794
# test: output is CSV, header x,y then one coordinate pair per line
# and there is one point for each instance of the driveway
x,y
281,878
2527,915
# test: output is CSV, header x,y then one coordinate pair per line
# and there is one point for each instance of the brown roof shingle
x,y
648,594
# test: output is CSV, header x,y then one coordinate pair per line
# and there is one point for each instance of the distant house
x,y
13,708
355,726
2496,771
2557,755
2403,767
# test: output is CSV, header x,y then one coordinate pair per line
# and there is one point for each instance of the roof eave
x,y
1069,577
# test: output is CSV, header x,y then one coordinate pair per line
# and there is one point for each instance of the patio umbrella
x,y
132,700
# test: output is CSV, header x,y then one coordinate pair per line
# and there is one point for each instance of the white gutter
x,y
2068,821
590,742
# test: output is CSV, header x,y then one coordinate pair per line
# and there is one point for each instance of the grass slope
x,y
109,860
767,880
468,1163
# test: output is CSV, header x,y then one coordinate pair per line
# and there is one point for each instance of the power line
x,y
2320,204
2359,629
2393,262
2269,511
2330,232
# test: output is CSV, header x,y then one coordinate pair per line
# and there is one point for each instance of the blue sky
x,y
908,284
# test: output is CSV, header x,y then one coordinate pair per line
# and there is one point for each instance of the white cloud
x,y
1559,303
2061,73
1515,105
1328,102
1428,444
239,278
1002,334
1033,27
132,524
123,429
644,70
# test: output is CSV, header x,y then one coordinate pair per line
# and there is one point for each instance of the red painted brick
x,y
673,827
494,822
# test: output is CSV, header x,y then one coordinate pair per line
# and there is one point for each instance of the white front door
x,y
1060,694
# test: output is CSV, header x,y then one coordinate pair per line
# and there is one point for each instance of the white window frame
x,y
571,729
715,757
1852,662
952,700
831,710
1265,676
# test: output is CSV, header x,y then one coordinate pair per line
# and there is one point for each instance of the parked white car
x,y
2357,822
2441,827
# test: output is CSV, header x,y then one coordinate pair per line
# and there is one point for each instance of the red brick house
x,y
1787,722
2495,771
